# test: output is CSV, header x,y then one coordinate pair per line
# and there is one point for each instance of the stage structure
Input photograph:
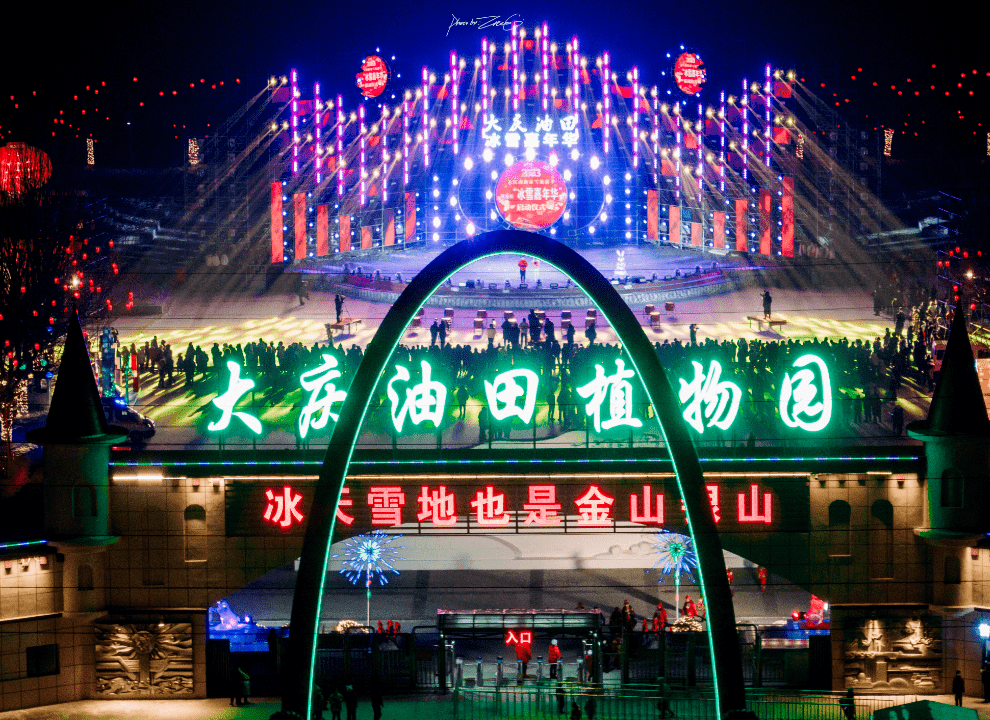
x,y
536,135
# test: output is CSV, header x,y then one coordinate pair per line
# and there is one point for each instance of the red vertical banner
x,y
742,224
277,248
696,233
345,233
322,230
787,218
766,244
652,215
389,238
299,217
365,237
674,213
410,217
719,229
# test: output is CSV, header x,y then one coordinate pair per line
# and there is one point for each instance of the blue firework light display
x,y
371,556
675,554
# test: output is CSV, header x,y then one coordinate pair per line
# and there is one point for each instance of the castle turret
x,y
956,434
77,443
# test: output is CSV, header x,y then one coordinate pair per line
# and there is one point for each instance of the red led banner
x,y
531,195
674,213
718,225
278,254
742,224
766,243
542,506
373,78
345,233
365,237
696,233
299,217
652,215
389,238
690,73
410,226
787,217
322,230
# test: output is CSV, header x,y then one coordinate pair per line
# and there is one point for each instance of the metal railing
x,y
548,702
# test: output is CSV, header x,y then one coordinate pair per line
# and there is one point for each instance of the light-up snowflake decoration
x,y
371,556
675,554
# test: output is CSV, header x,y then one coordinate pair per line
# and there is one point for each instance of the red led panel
x,y
365,237
410,217
696,233
652,215
299,217
389,238
787,218
674,213
742,224
277,254
322,230
718,224
345,233
766,244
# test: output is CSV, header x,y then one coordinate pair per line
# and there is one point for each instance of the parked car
x,y
139,428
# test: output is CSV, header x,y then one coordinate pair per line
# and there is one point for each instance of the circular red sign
x,y
373,76
531,195
689,72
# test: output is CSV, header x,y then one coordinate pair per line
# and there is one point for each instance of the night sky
x,y
167,47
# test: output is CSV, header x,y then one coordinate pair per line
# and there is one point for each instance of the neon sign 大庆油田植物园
x,y
708,400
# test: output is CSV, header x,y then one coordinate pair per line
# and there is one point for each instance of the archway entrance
x,y
726,662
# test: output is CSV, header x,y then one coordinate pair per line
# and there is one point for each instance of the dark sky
x,y
167,46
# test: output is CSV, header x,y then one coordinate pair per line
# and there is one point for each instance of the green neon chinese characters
x,y
504,393
719,397
800,406
226,402
323,394
619,390
426,400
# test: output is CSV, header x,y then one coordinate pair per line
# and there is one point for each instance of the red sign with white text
x,y
373,76
747,505
531,195
690,73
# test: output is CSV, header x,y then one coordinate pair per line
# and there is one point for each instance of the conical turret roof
x,y
76,413
957,405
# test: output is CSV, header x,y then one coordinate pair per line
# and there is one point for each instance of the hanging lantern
x,y
23,167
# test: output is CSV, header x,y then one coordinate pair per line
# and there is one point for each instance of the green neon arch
x,y
308,597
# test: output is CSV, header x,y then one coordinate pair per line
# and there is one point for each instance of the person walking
x,y
575,711
958,687
434,331
553,657
376,703
985,677
848,704
336,702
523,655
240,686
663,699
351,701
442,333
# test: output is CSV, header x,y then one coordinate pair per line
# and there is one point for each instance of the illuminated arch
x,y
307,600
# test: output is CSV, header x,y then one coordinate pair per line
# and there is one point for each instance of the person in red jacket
x,y
689,610
523,655
659,618
553,657
522,269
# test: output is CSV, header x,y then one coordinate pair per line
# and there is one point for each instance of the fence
x,y
548,702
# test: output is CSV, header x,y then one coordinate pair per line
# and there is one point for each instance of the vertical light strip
x,y
767,88
606,101
699,130
383,144
295,121
426,117
745,132
721,133
363,158
484,81
515,67
575,71
656,136
318,132
406,140
454,101
677,152
546,68
340,149
635,117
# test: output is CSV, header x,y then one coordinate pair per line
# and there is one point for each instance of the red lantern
x,y
23,167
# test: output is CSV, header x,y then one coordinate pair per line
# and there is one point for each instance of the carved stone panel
x,y
894,653
144,659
